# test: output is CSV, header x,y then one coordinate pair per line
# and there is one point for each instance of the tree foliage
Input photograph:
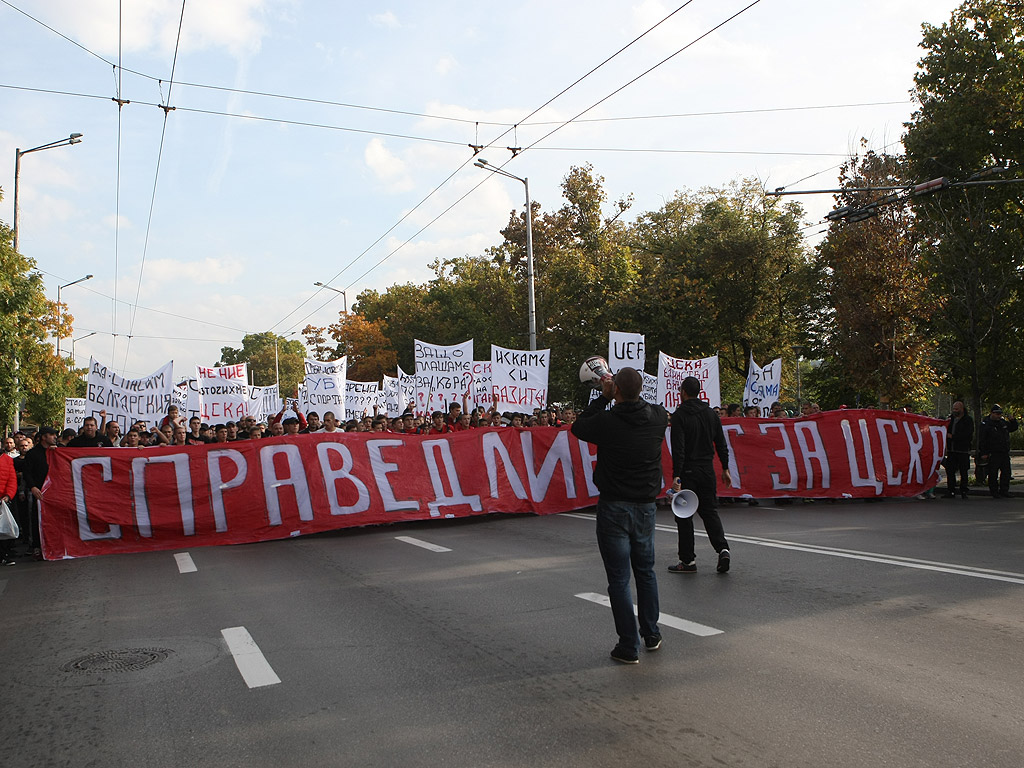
x,y
32,376
970,117
265,353
369,352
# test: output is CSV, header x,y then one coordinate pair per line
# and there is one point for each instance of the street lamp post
x,y
531,305
344,303
74,138
73,340
60,312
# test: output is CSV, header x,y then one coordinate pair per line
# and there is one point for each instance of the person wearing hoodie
x,y
629,439
696,436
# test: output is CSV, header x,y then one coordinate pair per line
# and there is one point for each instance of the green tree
x,y
362,341
877,342
265,353
970,117
32,376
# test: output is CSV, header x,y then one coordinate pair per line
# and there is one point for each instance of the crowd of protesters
x,y
21,480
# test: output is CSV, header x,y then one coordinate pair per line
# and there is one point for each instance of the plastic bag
x,y
8,525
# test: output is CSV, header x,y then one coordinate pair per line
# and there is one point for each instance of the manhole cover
x,y
120,660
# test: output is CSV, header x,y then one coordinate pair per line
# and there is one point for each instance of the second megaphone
x,y
593,370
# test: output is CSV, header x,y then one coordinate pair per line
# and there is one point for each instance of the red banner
x,y
98,501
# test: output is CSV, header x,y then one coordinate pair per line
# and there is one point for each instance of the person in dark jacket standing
x,y
994,447
628,474
696,437
959,436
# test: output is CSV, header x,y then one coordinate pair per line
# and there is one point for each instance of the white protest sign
x,y
264,402
360,398
763,385
626,350
519,379
672,371
128,400
443,375
324,388
179,397
391,396
649,392
223,393
74,412
406,389
482,383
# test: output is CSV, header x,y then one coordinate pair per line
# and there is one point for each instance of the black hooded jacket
x,y
629,441
696,436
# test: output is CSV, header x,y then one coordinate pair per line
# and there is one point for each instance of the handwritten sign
x,y
763,385
360,398
128,400
519,378
324,386
223,393
626,350
74,412
443,374
672,371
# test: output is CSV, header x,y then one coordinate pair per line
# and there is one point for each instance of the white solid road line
x,y
701,630
255,669
853,554
185,564
424,544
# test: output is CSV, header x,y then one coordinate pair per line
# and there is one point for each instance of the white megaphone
x,y
593,370
684,503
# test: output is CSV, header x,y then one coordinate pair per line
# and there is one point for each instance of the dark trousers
x,y
625,536
957,463
700,478
999,473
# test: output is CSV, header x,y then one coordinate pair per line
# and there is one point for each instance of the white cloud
x,y
445,64
386,19
388,167
209,271
113,222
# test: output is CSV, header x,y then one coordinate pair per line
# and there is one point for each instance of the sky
x,y
214,219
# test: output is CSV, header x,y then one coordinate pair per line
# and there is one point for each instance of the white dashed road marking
x,y
255,669
424,544
185,564
665,620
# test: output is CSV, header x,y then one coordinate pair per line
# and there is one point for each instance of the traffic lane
x,y
981,531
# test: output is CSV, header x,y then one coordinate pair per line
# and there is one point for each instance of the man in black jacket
x,y
994,447
696,437
628,474
959,436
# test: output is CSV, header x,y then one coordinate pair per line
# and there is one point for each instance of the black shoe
x,y
5,561
949,495
682,567
652,643
723,561
753,502
623,656
964,495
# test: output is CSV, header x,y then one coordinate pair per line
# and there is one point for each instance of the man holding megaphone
x,y
696,436
628,474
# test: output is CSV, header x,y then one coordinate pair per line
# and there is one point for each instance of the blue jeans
x,y
625,536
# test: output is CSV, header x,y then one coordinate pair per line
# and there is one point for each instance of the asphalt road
x,y
851,634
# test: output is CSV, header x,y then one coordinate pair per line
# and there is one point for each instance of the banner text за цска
x,y
98,501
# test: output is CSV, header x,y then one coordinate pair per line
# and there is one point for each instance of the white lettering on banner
x,y
557,455
728,431
296,478
672,371
914,467
786,454
183,481
626,349
128,400
218,485
881,425
492,446
458,497
817,452
938,435
332,476
381,470
85,531
589,460
860,479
